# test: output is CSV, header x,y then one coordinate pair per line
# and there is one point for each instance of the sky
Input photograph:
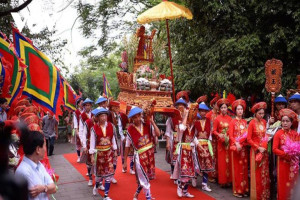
x,y
61,15
56,14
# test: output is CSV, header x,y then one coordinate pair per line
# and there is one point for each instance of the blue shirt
x,y
35,174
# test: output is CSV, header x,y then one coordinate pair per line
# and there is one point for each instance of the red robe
x,y
259,170
104,161
212,115
239,159
286,173
204,158
187,166
140,141
221,125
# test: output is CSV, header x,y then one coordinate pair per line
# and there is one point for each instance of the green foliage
x,y
89,77
224,47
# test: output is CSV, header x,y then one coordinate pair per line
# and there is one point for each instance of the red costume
x,y
239,159
103,145
287,173
142,142
221,125
205,156
259,163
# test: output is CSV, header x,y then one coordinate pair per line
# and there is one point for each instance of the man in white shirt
x,y
40,184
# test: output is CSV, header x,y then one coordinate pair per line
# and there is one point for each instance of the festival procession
x,y
150,118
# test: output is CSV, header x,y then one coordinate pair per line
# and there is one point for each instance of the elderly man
x,y
39,181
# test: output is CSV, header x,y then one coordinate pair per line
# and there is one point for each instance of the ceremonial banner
x,y
11,62
43,83
69,95
106,87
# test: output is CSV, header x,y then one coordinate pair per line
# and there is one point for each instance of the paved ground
x,y
73,186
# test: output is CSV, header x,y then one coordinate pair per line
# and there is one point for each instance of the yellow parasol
x,y
164,11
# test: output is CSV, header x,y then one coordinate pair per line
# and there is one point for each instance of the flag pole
x,y
170,56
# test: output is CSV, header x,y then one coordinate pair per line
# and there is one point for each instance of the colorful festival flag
x,y
69,95
43,84
106,87
10,60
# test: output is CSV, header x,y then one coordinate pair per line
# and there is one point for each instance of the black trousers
x,y
50,145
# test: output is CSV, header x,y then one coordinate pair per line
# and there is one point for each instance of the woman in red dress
x,y
220,130
259,158
239,153
287,166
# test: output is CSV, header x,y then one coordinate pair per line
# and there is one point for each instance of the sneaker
x,y
188,195
101,187
107,198
87,174
206,188
78,160
123,170
171,176
90,183
95,191
132,171
113,180
179,191
194,182
175,182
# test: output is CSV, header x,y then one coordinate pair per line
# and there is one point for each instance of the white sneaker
x,y
188,195
113,180
134,198
123,170
194,182
78,159
206,188
171,177
175,182
90,183
107,198
101,187
87,174
95,191
132,171
179,191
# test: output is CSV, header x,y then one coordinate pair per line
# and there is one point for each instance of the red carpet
x,y
162,188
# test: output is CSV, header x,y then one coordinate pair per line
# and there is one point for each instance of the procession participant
x,y
185,167
102,102
220,130
212,115
259,158
114,108
239,154
141,136
280,103
76,119
86,133
172,132
50,130
287,165
294,102
185,96
204,149
102,146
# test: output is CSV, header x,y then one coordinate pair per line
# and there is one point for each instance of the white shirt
x,y
35,174
92,149
81,127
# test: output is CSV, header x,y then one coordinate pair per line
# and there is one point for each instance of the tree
x,y
224,47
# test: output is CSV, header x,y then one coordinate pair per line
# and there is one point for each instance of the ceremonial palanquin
x,y
143,85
